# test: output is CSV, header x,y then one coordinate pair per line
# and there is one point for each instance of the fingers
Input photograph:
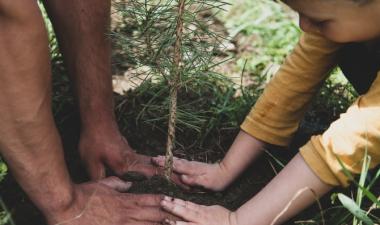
x,y
184,223
179,165
152,214
139,163
192,180
144,223
168,222
159,160
96,170
178,180
145,199
116,184
181,209
147,170
186,204
190,172
148,208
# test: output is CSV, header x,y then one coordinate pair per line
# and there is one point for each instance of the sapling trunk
x,y
174,83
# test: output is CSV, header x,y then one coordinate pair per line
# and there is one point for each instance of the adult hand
x,y
112,150
192,173
194,214
100,203
97,151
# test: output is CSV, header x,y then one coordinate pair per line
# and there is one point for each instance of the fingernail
x,y
165,203
167,198
167,222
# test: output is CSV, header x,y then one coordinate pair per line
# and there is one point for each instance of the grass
x,y
359,213
3,170
266,30
4,215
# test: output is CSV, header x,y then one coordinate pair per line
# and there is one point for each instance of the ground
x,y
148,140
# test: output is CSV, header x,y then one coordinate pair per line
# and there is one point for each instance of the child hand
x,y
194,214
192,173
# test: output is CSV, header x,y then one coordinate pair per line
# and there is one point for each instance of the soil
x,y
24,213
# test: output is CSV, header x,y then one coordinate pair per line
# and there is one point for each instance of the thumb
x,y
96,170
116,184
191,180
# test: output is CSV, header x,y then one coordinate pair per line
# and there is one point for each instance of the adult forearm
x,y
29,141
81,27
243,151
33,151
291,191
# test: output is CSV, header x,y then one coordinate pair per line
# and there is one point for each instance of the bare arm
x,y
29,140
218,176
291,191
81,27
243,151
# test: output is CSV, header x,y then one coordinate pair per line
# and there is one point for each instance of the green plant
x,y
209,114
174,44
4,215
361,214
267,28
3,170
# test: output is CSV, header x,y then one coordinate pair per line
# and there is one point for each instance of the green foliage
x,y
151,44
271,27
62,96
53,43
3,170
209,109
148,37
355,207
4,215
351,205
333,99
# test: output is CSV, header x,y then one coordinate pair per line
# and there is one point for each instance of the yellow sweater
x,y
276,115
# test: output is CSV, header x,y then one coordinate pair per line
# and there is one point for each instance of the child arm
x,y
309,175
274,118
292,190
218,176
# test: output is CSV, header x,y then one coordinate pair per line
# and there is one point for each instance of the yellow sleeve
x,y
347,139
276,115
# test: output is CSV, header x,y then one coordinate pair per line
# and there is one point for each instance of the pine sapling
x,y
174,85
169,43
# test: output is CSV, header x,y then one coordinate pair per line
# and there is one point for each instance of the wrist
x,y
67,207
57,201
94,114
99,126
225,173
